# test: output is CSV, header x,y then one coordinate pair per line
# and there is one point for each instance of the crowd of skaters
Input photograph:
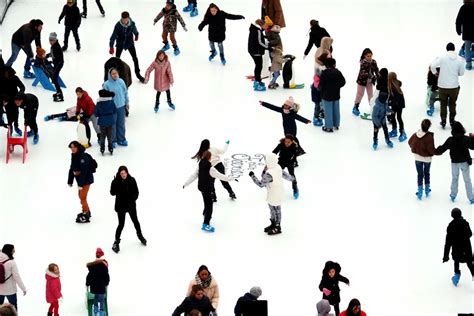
x,y
109,122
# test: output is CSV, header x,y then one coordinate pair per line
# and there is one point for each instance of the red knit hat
x,y
99,253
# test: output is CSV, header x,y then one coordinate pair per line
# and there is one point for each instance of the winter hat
x,y
268,21
256,291
40,51
450,47
456,213
290,102
170,1
53,36
106,94
99,253
323,308
383,96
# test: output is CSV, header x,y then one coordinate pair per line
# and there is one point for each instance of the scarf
x,y
206,283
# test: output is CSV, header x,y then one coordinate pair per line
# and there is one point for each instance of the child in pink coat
x,y
163,78
53,289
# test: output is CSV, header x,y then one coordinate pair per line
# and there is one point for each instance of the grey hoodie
x,y
323,308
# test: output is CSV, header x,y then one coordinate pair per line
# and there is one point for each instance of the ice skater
x,y
319,67
106,113
287,152
117,86
316,34
256,48
275,43
72,22
379,114
163,78
170,25
97,280
57,56
272,179
458,237
330,83
329,284
30,104
368,75
396,101
53,289
10,86
432,92
84,8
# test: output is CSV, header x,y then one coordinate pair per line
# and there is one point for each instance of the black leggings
x,y
398,113
84,6
207,199
257,72
220,167
469,265
291,171
121,224
385,131
168,96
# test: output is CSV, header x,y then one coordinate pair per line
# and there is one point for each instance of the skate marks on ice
x,y
240,164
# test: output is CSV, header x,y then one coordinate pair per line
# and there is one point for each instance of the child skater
x,y
170,23
58,61
272,176
53,289
330,284
368,74
459,145
319,67
397,104
432,94
256,48
105,111
72,22
422,146
215,18
206,173
381,86
216,163
379,113
192,8
163,78
276,50
287,152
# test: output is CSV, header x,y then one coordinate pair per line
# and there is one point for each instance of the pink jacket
x,y
53,287
163,75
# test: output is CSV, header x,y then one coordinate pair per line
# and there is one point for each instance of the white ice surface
x,y
356,207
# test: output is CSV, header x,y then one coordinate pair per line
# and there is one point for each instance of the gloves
x,y
59,21
227,142
200,28
242,17
154,21
304,57
251,173
326,292
111,50
24,292
445,259
136,38
185,29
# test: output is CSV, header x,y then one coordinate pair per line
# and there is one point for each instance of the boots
x,y
58,97
275,230
141,238
355,110
456,278
116,246
270,227
157,107
419,193
296,192
427,190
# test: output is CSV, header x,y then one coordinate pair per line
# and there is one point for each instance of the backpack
x,y
94,163
3,277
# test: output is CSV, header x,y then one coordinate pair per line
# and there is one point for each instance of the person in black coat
x,y
10,86
57,56
125,189
82,169
256,49
465,26
98,279
329,284
29,103
459,145
196,301
123,37
215,18
315,35
122,67
252,296
71,23
458,236
287,153
21,40
330,83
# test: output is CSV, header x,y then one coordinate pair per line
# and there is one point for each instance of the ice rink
x,y
357,207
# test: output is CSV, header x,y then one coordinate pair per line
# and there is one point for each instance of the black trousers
x,y
385,132
257,72
32,123
55,79
193,2
469,265
84,6
74,33
168,96
106,132
220,167
133,53
291,171
398,114
207,199
121,224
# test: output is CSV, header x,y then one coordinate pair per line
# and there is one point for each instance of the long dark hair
x,y
208,11
365,52
122,168
457,129
353,303
76,144
205,145
8,250
201,268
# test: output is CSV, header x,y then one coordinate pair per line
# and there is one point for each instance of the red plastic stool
x,y
14,141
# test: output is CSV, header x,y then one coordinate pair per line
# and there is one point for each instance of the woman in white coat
x,y
12,277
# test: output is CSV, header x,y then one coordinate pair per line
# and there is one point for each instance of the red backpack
x,y
3,277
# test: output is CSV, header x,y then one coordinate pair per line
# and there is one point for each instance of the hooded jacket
x,y
323,307
119,88
122,35
104,111
53,287
256,43
422,145
125,192
11,85
81,162
458,236
98,277
246,298
26,34
85,104
379,113
450,68
330,83
30,107
122,67
316,34
368,71
274,188
273,9
13,276
458,146
163,75
332,284
465,21
217,24
189,303
73,16
171,18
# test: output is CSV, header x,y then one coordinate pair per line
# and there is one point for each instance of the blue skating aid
x,y
44,80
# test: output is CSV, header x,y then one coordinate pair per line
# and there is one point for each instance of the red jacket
x,y
53,287
344,313
85,104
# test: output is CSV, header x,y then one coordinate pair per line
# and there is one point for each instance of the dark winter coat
x,y
10,85
125,192
171,18
289,124
458,238
73,16
30,107
81,162
330,83
273,9
123,69
368,70
25,35
57,56
45,65
432,80
315,36
256,44
98,277
246,298
396,100
465,22
217,24
458,146
332,284
122,35
286,155
204,306
205,180
379,113
104,111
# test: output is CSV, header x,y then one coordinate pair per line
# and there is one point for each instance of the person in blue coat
x,y
106,113
379,113
123,37
116,85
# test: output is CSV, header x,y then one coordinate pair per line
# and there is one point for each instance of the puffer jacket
x,y
125,192
368,71
163,75
104,111
85,104
379,113
53,287
81,162
171,18
212,291
12,275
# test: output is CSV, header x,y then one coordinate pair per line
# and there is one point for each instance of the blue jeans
x,y
119,134
464,167
468,51
423,170
332,114
15,51
11,299
212,45
99,299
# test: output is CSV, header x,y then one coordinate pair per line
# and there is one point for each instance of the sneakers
x,y
207,228
213,54
83,218
28,75
165,47
393,133
171,105
123,143
355,110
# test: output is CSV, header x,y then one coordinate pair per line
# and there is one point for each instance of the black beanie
x,y
106,94
450,47
456,213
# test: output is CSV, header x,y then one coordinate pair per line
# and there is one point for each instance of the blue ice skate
x,y
166,47
213,54
402,137
317,121
355,111
123,143
194,12
207,228
259,86
18,131
419,193
30,133
375,145
36,139
389,143
28,75
171,105
188,8
455,279
393,133
223,61
430,110
157,107
46,118
453,197
296,194
427,190
176,51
